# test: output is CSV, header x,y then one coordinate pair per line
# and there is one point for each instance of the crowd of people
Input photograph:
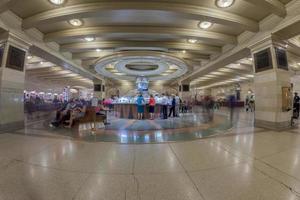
x,y
68,112
74,109
171,106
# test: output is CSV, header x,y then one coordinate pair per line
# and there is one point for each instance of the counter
x,y
129,111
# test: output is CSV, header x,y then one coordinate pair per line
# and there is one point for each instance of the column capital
x,y
267,41
12,39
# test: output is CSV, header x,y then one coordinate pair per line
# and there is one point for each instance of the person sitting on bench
x,y
63,113
76,113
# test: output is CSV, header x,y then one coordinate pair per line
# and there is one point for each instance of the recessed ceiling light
x,y
29,57
41,62
183,51
193,41
98,50
57,2
205,25
224,3
89,38
75,22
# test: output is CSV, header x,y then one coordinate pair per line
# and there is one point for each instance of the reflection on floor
x,y
188,126
245,164
184,121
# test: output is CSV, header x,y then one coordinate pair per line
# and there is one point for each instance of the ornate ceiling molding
x,y
186,10
203,35
116,66
186,56
84,46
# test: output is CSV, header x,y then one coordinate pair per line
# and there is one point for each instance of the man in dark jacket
x,y
173,105
296,105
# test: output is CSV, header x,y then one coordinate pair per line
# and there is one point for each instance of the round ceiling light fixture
x,y
205,25
224,3
75,22
29,57
98,50
192,41
57,2
89,38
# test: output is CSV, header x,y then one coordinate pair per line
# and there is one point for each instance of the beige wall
x,y
224,91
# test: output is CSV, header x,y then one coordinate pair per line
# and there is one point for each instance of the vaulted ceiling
x,y
103,28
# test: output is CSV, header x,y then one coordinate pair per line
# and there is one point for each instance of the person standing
x,y
151,106
164,104
252,103
296,105
173,104
177,101
247,103
140,106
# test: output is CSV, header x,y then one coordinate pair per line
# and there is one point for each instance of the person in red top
x,y
151,106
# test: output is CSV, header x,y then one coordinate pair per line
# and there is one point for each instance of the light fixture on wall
x,y
224,3
205,24
192,41
57,2
89,38
75,22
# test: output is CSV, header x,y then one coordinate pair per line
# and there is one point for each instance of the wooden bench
x,y
89,118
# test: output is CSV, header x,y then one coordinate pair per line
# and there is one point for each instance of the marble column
x,y
12,78
271,81
184,91
99,89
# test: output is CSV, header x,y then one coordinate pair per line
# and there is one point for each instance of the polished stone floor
x,y
189,126
245,163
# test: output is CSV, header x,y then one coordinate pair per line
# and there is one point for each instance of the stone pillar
x,y
184,91
271,81
99,89
12,78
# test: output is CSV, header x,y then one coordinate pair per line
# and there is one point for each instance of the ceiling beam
x,y
90,54
289,31
5,5
94,54
208,36
210,84
43,69
84,46
71,83
275,6
218,63
186,10
64,78
53,75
